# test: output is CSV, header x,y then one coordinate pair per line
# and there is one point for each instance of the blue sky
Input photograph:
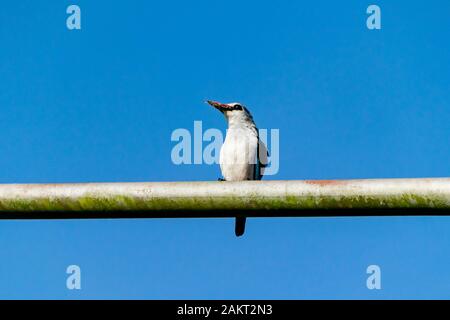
x,y
100,104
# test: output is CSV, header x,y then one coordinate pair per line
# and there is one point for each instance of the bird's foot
x,y
221,179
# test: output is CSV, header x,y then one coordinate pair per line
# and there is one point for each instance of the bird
x,y
243,156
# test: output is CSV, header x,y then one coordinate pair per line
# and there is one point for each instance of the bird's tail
x,y
239,228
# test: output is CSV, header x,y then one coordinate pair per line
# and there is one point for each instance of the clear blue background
x,y
100,104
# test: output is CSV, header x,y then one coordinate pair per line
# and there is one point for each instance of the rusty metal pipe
x,y
225,199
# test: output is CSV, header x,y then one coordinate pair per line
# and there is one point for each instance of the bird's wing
x,y
263,154
262,162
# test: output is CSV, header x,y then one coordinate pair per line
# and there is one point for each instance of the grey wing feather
x,y
262,162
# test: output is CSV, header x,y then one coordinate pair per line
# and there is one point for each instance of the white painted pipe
x,y
226,199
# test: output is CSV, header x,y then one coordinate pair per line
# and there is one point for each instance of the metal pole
x,y
225,199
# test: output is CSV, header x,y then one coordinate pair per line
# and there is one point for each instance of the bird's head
x,y
234,112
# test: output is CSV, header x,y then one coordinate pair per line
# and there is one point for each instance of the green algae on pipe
x,y
226,199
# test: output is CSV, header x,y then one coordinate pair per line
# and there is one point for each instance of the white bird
x,y
242,156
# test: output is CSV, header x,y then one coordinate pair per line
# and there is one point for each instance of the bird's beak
x,y
219,106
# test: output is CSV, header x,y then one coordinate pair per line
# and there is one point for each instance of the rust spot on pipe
x,y
326,182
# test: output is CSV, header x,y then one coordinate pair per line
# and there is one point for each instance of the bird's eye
x,y
238,107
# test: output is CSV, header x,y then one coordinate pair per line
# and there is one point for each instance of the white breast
x,y
238,155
